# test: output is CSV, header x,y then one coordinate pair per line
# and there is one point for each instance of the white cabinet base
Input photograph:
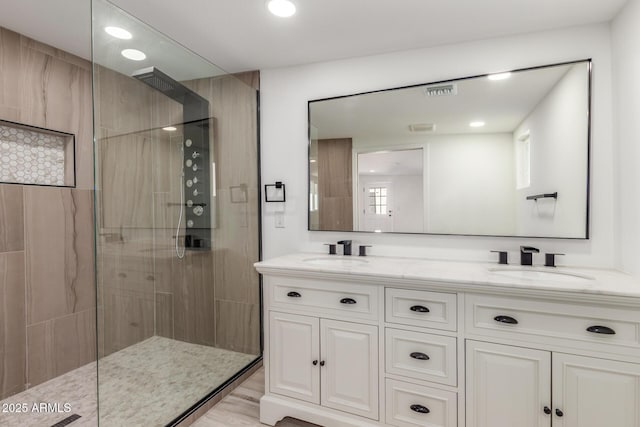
x,y
274,409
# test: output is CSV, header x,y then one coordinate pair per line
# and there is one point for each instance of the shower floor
x,y
146,384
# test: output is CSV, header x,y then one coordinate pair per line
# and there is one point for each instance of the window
x,y
378,200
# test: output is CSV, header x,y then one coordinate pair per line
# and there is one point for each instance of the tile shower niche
x,y
31,155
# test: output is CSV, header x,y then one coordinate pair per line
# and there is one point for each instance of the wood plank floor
x,y
242,407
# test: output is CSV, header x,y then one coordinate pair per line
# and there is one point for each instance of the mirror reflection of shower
x,y
195,171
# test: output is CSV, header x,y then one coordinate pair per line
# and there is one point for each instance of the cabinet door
x,y
294,346
593,392
350,369
507,386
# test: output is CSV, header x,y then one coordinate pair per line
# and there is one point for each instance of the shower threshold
x,y
147,384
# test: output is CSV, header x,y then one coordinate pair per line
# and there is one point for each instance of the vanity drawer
x,y
421,356
325,297
546,319
435,310
407,405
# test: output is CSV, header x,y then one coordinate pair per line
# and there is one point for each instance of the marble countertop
x,y
467,276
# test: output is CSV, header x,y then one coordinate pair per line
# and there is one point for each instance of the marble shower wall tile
x,y
56,94
11,218
164,315
193,298
128,318
10,68
12,324
126,181
60,345
238,326
59,252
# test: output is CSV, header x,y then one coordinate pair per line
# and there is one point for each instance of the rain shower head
x,y
160,81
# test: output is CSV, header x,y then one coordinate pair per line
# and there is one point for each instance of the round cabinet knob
x,y
547,410
322,363
315,362
559,413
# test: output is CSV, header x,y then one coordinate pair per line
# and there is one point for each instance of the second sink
x,y
539,274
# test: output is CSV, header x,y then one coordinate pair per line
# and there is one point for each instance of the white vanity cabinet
x,y
347,349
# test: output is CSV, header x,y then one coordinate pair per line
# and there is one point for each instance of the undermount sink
x,y
537,274
336,261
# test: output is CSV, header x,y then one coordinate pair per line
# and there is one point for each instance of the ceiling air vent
x,y
422,127
441,90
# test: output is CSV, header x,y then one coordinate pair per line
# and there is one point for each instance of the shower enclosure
x,y
177,223
129,225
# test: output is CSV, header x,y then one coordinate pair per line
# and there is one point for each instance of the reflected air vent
x,y
441,90
422,127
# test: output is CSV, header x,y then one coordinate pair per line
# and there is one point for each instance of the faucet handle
x,y
502,257
550,259
363,250
332,248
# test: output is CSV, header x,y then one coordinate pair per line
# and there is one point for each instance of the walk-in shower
x,y
140,300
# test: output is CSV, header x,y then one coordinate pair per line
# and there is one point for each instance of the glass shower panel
x,y
177,223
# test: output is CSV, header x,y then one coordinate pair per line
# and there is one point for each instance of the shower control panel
x,y
197,185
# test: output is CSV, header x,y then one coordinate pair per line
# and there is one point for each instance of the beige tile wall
x,y
47,297
209,298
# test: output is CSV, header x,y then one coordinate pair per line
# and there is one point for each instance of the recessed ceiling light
x,y
312,161
281,8
372,170
477,124
119,33
133,54
170,128
499,76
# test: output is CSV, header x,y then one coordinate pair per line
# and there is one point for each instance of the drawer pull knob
x,y
419,356
293,294
506,319
315,362
559,413
322,363
347,301
601,330
420,409
547,410
419,309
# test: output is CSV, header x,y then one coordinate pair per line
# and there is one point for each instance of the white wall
x,y
557,131
625,37
284,96
471,184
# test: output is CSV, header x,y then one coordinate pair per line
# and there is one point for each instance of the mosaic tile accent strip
x,y
29,156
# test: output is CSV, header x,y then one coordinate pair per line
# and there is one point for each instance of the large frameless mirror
x,y
496,155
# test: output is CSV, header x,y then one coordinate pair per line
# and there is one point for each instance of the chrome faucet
x,y
526,254
346,246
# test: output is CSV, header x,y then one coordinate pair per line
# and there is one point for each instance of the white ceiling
x,y
502,105
399,162
241,35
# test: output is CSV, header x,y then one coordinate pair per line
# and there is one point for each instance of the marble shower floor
x,y
146,384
